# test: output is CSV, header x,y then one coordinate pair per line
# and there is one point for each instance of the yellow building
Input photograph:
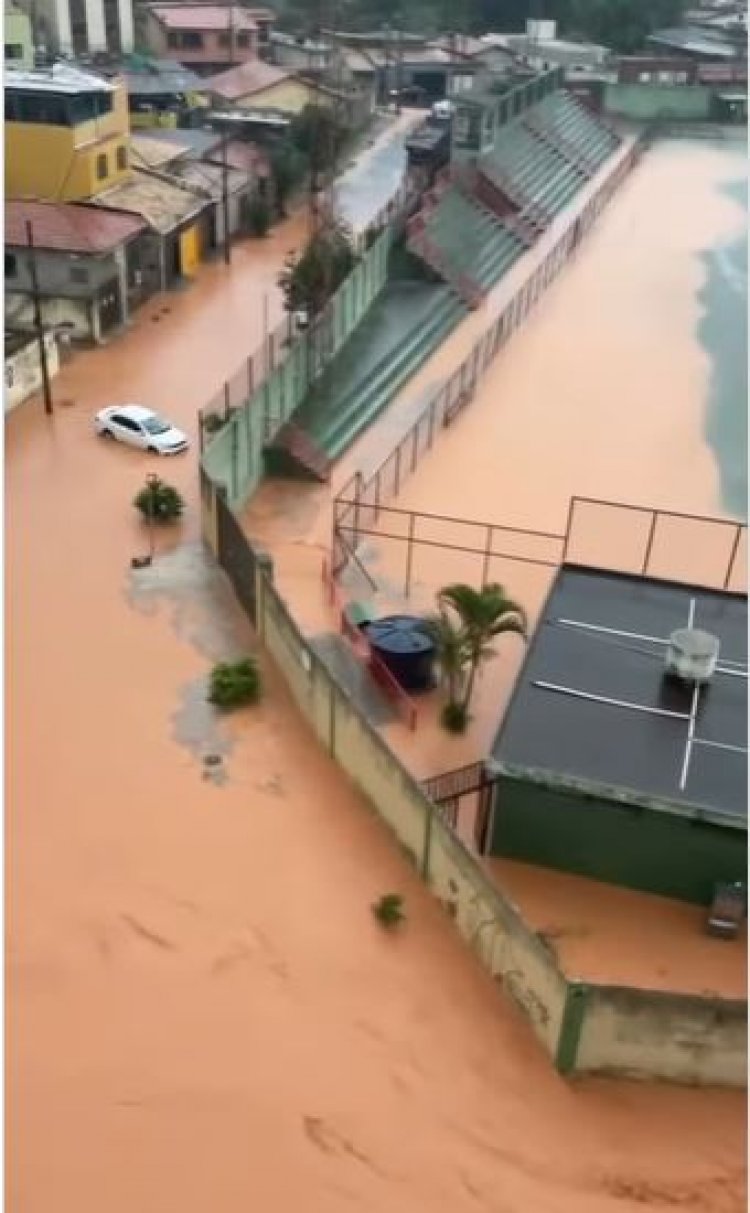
x,y
258,85
67,134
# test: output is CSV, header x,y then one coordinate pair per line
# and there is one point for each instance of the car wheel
x,y
153,450
106,434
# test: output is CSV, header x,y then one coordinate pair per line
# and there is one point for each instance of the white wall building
x,y
81,27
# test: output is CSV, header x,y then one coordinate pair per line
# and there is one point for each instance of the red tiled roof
x,y
251,77
68,227
203,17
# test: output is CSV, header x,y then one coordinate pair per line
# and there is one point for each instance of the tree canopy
x,y
620,24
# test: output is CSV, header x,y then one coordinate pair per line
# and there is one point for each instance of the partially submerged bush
x,y
258,216
158,501
389,910
234,684
454,717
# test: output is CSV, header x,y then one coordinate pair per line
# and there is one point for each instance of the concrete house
x,y
261,85
193,158
86,263
178,222
66,133
206,37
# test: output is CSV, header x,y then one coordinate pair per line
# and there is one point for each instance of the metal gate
x,y
472,785
236,557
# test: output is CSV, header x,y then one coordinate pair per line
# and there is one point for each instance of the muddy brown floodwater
x,y
201,1012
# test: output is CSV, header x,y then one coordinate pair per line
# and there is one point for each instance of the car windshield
x,y
156,425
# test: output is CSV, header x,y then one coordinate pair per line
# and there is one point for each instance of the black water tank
x,y
405,648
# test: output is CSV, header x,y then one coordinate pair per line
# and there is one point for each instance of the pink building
x,y
207,37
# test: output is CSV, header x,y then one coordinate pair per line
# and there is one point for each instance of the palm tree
x,y
483,616
449,638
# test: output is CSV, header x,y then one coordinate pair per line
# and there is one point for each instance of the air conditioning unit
x,y
692,655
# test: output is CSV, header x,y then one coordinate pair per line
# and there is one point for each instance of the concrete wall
x,y
23,371
488,922
650,102
74,314
61,273
687,1039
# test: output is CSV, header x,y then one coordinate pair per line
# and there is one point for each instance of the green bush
x,y
258,216
454,717
389,910
213,422
234,684
159,502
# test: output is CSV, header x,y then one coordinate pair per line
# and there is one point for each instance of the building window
x,y
243,39
102,167
86,107
224,40
173,40
192,41
79,274
44,109
11,267
122,158
13,50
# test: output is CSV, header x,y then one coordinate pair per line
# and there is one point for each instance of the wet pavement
x,y
363,190
201,1012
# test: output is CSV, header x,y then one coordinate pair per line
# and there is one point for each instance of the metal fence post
x,y
733,554
409,555
649,542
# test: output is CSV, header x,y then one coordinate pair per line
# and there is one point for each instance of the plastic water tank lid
x,y
693,642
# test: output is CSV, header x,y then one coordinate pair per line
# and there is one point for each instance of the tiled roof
x,y
152,152
202,17
68,227
208,179
251,77
163,205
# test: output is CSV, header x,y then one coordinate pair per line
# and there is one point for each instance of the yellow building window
x,y
102,167
122,158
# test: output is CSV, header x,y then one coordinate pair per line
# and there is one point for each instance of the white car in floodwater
x,y
140,427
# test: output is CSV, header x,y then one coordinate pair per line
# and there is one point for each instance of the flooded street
x,y
201,1012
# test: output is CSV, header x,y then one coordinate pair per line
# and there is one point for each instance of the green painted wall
x,y
639,848
649,102
234,457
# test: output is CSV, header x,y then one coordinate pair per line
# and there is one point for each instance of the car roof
x,y
136,411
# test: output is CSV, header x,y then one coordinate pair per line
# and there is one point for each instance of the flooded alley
x,y
201,1012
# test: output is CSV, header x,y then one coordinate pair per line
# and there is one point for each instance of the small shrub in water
x,y
159,502
258,217
454,718
234,684
389,910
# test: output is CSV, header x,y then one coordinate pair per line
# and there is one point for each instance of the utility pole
x,y
224,162
46,386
